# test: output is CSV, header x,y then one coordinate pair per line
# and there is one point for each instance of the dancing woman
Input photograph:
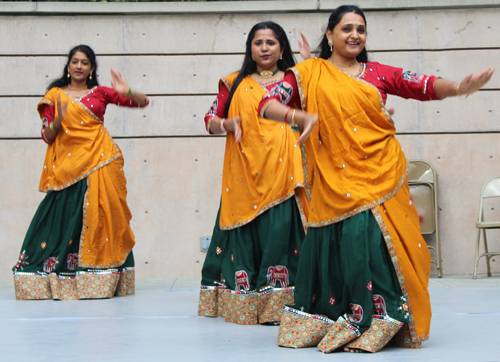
x,y
249,270
364,266
79,243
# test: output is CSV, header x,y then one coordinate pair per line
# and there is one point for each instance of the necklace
x,y
343,66
267,73
76,89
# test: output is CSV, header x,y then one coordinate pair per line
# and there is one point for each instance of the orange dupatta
x,y
82,149
265,168
355,164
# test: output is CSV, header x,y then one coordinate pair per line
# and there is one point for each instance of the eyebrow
x,y
363,26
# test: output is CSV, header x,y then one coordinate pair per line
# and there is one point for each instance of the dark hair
x,y
64,80
324,49
249,66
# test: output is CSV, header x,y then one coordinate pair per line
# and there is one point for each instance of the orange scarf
x,y
262,170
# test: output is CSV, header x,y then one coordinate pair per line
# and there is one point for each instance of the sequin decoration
x,y
218,251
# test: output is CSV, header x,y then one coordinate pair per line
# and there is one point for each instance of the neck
x,y
343,61
77,85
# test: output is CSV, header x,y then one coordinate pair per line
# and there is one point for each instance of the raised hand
x,y
118,82
304,47
473,82
61,109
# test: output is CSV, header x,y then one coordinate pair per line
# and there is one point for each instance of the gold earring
x,y
90,77
281,56
69,75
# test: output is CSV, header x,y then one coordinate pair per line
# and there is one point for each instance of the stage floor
x,y
160,323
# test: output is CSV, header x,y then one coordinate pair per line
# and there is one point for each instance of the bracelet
x,y
457,91
293,119
52,127
209,124
286,114
223,129
129,93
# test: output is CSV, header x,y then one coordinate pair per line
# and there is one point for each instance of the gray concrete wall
x,y
176,52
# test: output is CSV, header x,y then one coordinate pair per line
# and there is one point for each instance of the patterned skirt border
x,y
92,284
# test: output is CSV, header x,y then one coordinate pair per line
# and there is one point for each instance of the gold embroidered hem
x,y
299,329
378,335
72,286
244,307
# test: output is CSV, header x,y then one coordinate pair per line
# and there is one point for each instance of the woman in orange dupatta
x,y
79,244
249,271
364,267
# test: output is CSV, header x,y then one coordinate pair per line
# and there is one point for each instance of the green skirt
x,y
249,272
47,267
346,282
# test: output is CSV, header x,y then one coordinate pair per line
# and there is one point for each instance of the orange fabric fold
x,y
351,153
264,168
83,149
354,164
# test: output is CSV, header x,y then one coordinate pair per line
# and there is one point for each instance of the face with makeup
x,y
348,37
266,50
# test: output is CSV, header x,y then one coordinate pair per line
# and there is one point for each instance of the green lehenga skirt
x,y
48,263
347,290
249,272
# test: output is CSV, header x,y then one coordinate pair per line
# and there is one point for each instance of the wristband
x,y
286,114
293,119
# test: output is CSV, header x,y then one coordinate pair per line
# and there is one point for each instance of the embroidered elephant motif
x,y
278,272
241,278
379,307
357,313
72,261
49,264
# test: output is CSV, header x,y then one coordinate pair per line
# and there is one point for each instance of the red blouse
x,y
284,94
387,79
96,100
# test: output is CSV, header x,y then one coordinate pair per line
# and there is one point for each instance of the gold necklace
x,y
76,89
343,66
266,74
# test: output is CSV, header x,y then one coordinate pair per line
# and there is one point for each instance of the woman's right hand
x,y
61,109
232,125
307,124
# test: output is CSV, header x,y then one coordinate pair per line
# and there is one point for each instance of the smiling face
x,y
266,50
348,37
79,67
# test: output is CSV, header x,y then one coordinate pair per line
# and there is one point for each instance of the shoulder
x,y
228,81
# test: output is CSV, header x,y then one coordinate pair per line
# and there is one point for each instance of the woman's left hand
x,y
304,47
473,82
118,82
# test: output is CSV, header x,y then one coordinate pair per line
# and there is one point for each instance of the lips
x,y
265,56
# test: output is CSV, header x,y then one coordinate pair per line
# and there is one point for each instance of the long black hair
x,y
64,80
250,66
323,48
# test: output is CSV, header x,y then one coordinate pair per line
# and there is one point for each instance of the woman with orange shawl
x,y
364,266
79,243
249,270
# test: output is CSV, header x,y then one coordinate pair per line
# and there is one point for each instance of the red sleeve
x,y
112,96
399,82
48,118
218,106
285,92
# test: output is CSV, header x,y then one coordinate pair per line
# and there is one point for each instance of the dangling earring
x,y
69,75
90,77
281,56
331,45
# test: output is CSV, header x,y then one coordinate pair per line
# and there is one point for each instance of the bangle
x,y
52,127
222,128
293,119
457,91
129,93
286,114
209,124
